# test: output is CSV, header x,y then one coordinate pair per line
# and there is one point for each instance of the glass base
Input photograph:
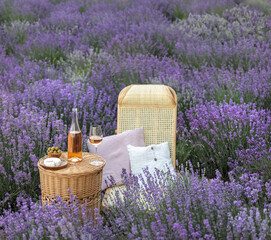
x,y
74,159
96,163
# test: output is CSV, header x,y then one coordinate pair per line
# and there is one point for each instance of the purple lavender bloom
x,y
235,136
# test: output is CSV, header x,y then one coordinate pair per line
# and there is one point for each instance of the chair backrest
x,y
153,107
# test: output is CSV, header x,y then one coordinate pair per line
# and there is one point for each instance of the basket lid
x,y
148,94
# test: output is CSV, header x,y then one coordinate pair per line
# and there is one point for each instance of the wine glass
x,y
95,138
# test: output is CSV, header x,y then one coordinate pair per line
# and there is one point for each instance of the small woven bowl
x,y
57,155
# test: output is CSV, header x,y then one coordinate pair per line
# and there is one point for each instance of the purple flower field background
x,y
60,54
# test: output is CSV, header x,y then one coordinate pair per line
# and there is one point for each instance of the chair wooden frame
x,y
153,107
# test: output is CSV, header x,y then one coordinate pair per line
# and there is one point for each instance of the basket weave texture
x,y
82,179
153,107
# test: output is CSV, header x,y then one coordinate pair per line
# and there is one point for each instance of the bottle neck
x,y
74,125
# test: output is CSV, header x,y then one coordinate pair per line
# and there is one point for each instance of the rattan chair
x,y
153,107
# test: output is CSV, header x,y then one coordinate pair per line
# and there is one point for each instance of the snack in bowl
x,y
52,162
54,152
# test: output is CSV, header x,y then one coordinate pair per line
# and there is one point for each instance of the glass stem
x,y
96,149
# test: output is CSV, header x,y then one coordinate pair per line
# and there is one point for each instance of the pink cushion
x,y
113,149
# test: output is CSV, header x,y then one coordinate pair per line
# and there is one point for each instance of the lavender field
x,y
216,54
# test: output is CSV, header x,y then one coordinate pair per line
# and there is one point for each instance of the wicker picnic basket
x,y
82,179
153,107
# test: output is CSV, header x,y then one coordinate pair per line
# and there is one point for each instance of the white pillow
x,y
153,156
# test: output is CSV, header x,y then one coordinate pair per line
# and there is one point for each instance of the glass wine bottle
x,y
74,140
